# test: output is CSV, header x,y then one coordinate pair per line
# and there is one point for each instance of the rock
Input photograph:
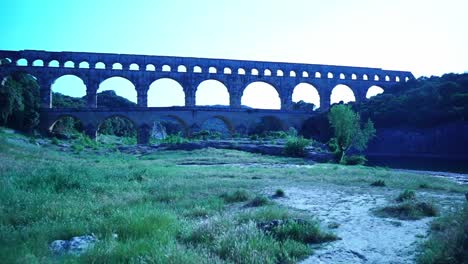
x,y
76,245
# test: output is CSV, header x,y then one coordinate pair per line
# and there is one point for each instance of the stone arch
x,y
267,72
365,77
65,126
121,85
181,68
279,73
197,69
376,77
22,62
261,95
306,92
117,66
373,91
212,92
100,65
266,123
5,61
83,65
318,75
38,63
150,67
68,85
254,72
53,64
387,78
212,70
69,64
397,78
342,93
305,74
118,125
330,75
353,76
241,71
224,125
166,88
166,68
292,74
134,67
227,70
342,76
168,125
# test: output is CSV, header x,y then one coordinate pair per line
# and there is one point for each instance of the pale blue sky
x,y
425,37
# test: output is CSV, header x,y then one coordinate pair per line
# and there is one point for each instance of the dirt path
x,y
365,237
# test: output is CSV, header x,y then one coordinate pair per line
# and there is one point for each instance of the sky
x,y
425,37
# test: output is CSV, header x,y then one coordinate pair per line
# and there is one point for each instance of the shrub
x,y
235,197
409,210
279,193
55,141
296,146
378,183
406,195
301,231
175,139
355,160
258,201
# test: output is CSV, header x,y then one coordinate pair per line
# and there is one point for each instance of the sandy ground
x,y
365,238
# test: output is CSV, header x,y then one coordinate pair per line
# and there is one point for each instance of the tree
x,y
347,130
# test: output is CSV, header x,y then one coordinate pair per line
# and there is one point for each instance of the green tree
x,y
347,130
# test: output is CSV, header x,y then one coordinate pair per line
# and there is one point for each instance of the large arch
x,y
211,92
307,93
119,126
67,86
121,86
266,123
218,124
168,125
373,91
261,95
166,92
342,93
66,126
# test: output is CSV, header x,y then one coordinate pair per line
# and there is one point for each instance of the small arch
x,y
181,68
211,93
279,73
227,70
353,76
330,75
166,68
376,77
5,61
38,63
265,124
318,75
241,71
212,70
150,67
168,125
22,62
66,126
292,74
100,65
254,72
387,78
166,92
397,79
266,72
407,79
373,91
134,67
342,93
83,65
365,77
342,76
197,69
307,93
69,64
54,64
305,74
117,66
119,86
261,95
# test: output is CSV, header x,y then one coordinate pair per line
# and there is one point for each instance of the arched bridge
x,y
143,70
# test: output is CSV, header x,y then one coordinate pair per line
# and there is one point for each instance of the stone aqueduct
x,y
141,70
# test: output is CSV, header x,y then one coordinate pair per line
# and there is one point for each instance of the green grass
x,y
163,212
409,210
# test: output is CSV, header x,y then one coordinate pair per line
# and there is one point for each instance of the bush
x,y
296,146
175,139
279,193
301,231
354,160
378,183
235,197
409,210
258,201
406,195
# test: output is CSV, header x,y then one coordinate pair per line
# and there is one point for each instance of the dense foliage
x,y
347,130
19,102
424,102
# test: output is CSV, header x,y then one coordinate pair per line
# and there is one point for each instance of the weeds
x,y
378,183
406,195
236,196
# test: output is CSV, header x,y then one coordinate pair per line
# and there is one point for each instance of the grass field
x,y
162,210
